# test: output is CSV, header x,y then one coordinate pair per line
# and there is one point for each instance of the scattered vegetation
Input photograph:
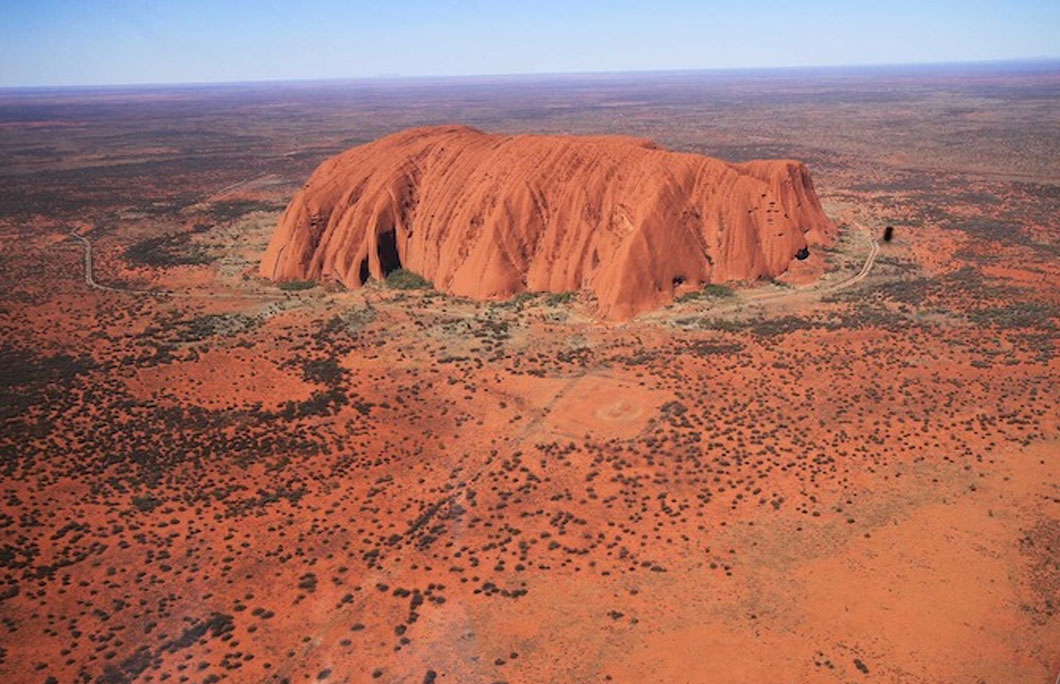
x,y
404,279
708,291
147,494
296,285
168,250
228,210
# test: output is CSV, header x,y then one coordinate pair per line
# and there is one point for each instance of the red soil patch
x,y
220,379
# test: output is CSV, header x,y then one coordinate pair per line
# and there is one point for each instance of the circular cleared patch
x,y
619,410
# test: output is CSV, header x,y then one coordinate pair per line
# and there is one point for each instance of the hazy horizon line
x,y
388,77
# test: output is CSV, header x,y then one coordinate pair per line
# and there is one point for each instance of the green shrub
x,y
295,285
710,290
402,279
520,298
145,504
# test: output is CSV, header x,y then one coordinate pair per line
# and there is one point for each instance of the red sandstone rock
x,y
487,216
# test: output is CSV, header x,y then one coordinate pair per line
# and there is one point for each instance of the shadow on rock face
x,y
802,254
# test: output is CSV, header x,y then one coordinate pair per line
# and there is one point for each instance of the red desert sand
x,y
850,475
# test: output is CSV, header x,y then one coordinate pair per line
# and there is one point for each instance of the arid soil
x,y
850,473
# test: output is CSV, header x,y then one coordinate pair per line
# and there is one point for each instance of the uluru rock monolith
x,y
487,216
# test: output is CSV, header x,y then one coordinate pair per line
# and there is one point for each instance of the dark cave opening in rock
x,y
389,261
363,272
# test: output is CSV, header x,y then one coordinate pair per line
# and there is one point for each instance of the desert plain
x,y
847,473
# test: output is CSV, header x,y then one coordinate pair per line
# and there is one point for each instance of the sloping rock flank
x,y
487,216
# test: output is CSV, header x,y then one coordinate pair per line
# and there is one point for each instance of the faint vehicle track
x,y
428,513
766,297
90,280
866,268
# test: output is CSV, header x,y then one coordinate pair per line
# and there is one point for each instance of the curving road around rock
x,y
90,280
866,268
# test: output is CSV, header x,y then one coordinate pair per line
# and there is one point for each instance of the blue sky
x,y
61,42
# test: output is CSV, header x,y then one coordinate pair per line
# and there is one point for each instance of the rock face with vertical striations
x,y
487,216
